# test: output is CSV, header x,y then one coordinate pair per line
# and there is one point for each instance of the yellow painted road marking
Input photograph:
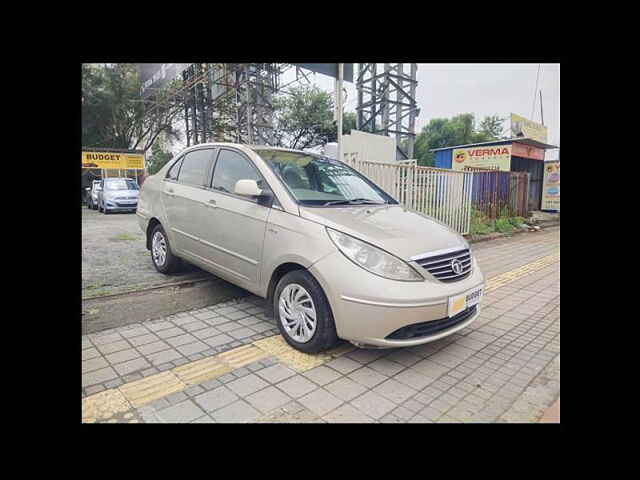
x,y
104,405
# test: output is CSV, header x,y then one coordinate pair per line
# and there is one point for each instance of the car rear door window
x,y
172,174
231,167
195,168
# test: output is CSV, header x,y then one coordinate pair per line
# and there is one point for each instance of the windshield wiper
x,y
354,201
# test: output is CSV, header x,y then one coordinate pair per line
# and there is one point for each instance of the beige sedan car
x,y
334,255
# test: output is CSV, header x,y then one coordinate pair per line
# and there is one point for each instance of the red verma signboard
x,y
491,157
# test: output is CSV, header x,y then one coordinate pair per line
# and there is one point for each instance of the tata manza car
x,y
118,195
334,255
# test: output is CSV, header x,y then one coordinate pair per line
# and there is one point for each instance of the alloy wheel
x,y
297,313
159,248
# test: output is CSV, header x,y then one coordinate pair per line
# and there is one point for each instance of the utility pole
x,y
541,115
339,108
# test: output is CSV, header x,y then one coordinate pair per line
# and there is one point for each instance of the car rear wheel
x,y
303,313
163,259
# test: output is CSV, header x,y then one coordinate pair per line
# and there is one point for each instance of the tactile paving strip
x,y
513,275
146,390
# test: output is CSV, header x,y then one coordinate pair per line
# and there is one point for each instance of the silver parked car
x,y
92,194
118,195
335,255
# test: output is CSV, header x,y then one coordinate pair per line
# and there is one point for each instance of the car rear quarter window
x,y
231,167
195,167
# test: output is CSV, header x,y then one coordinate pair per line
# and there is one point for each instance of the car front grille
x,y
127,205
441,266
432,327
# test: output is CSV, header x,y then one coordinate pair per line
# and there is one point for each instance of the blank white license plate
x,y
465,300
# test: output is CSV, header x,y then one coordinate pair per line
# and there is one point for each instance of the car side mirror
x,y
248,188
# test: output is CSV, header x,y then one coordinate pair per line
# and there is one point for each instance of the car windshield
x,y
120,184
322,181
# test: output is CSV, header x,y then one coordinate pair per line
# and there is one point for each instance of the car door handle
x,y
212,204
169,191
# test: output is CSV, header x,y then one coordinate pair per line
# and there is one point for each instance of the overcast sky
x,y
446,90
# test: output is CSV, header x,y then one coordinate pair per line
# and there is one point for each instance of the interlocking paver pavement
x,y
505,367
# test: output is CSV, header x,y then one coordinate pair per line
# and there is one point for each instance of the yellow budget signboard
x,y
551,186
491,157
134,161
523,127
112,160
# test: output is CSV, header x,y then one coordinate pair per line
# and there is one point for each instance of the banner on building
x,y
551,186
115,161
527,151
494,157
523,127
154,76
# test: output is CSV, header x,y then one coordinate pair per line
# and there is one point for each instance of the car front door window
x,y
231,167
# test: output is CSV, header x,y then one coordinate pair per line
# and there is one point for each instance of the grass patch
x,y
483,225
503,225
124,237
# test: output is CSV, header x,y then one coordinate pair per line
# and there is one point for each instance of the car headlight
x,y
373,259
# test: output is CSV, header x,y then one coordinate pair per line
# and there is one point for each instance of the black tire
x,y
325,336
172,263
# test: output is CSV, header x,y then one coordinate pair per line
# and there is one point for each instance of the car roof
x,y
243,146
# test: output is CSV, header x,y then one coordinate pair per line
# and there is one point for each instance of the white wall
x,y
369,147
361,146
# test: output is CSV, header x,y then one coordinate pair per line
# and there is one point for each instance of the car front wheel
x,y
303,313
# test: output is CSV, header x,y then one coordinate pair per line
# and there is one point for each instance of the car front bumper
x,y
368,308
114,207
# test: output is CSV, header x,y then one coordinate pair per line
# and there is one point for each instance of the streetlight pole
x,y
339,108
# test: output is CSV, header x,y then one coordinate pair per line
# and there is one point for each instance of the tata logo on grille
x,y
456,266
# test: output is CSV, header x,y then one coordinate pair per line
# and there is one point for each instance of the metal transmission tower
x,y
255,85
197,103
387,103
229,102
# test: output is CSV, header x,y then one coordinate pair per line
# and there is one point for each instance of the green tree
x,y
160,154
304,118
348,122
113,113
492,127
459,130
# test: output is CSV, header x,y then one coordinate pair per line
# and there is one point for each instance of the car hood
x,y
399,231
121,193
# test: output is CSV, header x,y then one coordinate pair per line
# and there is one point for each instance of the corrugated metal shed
x,y
443,159
524,140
